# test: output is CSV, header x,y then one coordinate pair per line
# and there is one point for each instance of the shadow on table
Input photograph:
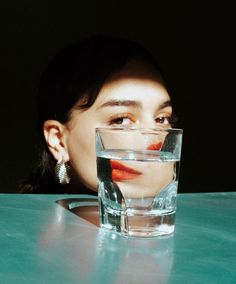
x,y
86,208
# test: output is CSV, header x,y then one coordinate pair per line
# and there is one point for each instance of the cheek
x,y
82,155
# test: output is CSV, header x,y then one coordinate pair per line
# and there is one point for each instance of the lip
x,y
121,172
155,146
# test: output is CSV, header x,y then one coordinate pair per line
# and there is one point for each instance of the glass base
x,y
140,225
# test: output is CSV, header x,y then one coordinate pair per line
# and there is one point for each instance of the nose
x,y
148,123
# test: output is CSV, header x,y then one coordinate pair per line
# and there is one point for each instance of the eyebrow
x,y
113,103
132,103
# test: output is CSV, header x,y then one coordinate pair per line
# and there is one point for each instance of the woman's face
x,y
133,97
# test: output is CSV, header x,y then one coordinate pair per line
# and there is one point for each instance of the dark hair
x,y
76,74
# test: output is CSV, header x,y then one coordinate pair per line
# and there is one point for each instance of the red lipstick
x,y
121,172
155,146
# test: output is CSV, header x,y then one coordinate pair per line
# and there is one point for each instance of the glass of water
x,y
138,171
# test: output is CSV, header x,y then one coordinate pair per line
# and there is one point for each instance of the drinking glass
x,y
138,170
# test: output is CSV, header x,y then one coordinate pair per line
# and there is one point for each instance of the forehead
x,y
132,88
134,80
142,90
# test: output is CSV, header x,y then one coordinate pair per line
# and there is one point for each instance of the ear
x,y
54,136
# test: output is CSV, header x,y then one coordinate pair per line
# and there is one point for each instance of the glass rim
x,y
171,129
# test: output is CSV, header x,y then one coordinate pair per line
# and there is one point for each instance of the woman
x,y
98,82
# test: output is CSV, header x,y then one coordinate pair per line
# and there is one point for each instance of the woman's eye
x,y
167,120
164,120
121,120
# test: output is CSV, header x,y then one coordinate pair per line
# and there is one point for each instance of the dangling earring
x,y
62,172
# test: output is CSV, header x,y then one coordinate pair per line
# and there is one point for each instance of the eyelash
x,y
114,120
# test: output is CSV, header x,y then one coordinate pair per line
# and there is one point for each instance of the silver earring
x,y
62,172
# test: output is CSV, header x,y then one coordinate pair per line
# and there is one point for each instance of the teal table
x,y
42,242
